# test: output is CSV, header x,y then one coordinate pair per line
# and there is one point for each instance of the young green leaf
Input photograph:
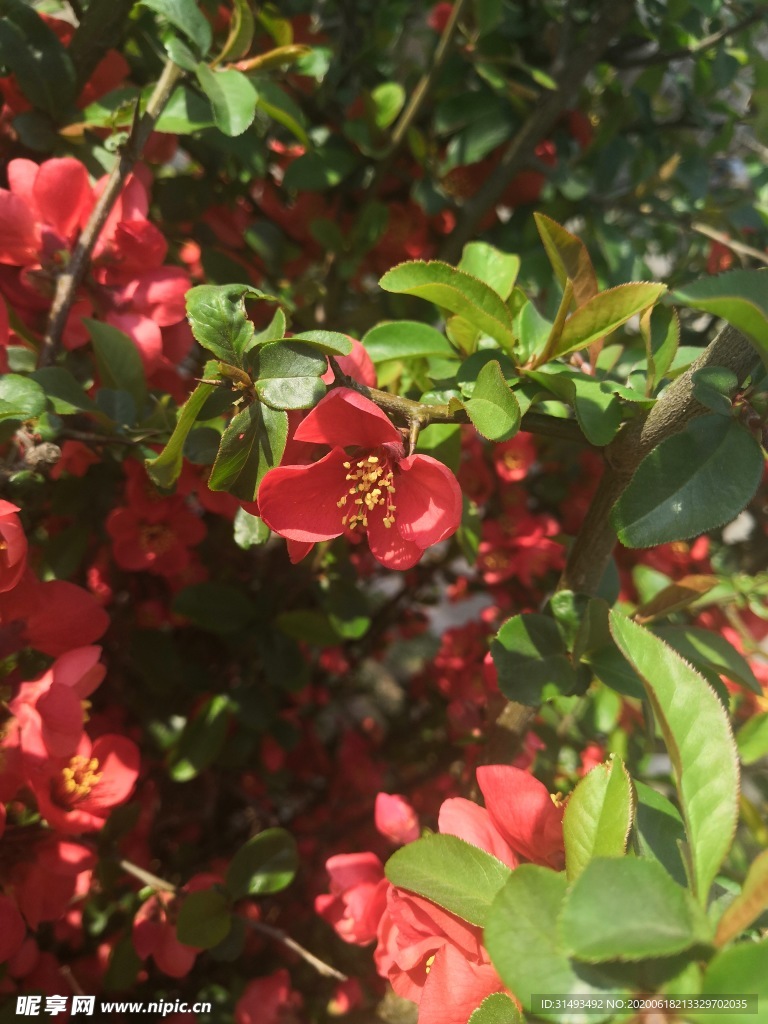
x,y
232,97
598,816
692,482
604,313
569,258
455,291
493,408
448,871
497,269
752,739
267,863
405,339
739,970
628,909
241,30
660,330
748,905
165,468
711,650
700,743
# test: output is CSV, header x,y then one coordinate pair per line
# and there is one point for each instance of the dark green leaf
x,y
450,872
700,744
659,831
628,909
738,297
32,51
118,361
598,816
531,659
204,919
330,342
232,97
217,316
493,408
714,387
710,650
289,375
496,1009
455,291
202,738
594,401
252,444
65,394
165,468
21,398
278,105
692,482
320,169
267,863
187,17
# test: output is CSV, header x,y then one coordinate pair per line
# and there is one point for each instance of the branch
x,y
71,277
606,24
280,936
593,547
684,53
730,243
146,877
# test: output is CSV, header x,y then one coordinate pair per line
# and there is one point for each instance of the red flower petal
x,y
63,195
469,821
300,502
428,500
455,988
119,763
522,810
388,547
346,418
19,238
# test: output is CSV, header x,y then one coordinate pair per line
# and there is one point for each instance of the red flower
x,y
395,819
155,538
405,504
357,898
13,546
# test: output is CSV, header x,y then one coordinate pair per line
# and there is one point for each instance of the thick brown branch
x,y
592,549
70,278
608,21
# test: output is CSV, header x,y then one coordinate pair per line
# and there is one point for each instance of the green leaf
x,y
748,905
493,408
741,970
320,169
118,361
241,30
267,863
21,398
700,744
738,297
712,651
450,872
32,51
455,291
249,530
659,833
497,1008
598,816
187,17
752,739
232,97
289,375
597,409
692,482
202,738
495,268
278,105
252,444
187,111
660,330
714,387
387,100
628,909
604,313
215,607
330,342
65,394
531,659
274,331
569,258
521,937
405,339
218,319
165,468
204,919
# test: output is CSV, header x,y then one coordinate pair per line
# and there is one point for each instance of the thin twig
x,y
692,51
87,437
730,243
71,277
146,876
280,936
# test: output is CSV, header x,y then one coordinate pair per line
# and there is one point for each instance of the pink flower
x,y
395,818
514,458
405,504
268,1000
357,898
13,546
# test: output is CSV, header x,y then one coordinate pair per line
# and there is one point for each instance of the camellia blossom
x,y
13,546
404,503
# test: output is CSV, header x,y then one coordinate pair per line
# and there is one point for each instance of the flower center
x,y
157,538
76,780
372,484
